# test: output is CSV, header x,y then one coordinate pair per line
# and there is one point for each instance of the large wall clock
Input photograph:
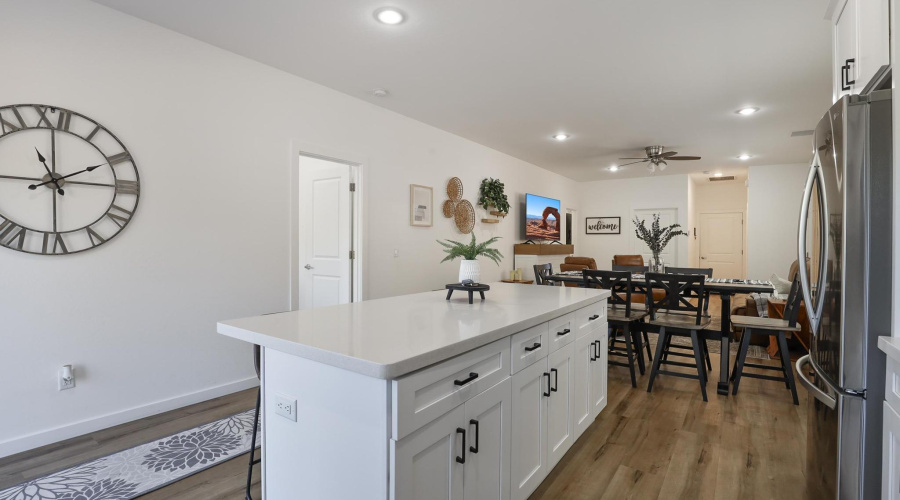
x,y
67,184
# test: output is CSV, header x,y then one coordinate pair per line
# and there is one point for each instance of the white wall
x,y
774,196
211,133
618,198
713,197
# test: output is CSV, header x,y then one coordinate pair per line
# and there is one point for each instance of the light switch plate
x,y
285,406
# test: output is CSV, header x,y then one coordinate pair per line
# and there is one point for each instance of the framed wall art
x,y
421,205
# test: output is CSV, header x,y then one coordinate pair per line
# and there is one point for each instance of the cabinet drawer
x,y
562,331
588,319
892,383
529,346
425,395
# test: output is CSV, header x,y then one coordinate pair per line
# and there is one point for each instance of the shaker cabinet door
x,y
528,439
582,407
560,420
890,450
487,462
426,465
599,373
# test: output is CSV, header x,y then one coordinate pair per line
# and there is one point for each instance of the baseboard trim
x,y
61,433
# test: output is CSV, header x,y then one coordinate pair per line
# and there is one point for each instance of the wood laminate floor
x,y
665,445
669,444
224,481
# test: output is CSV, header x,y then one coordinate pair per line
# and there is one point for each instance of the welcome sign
x,y
603,225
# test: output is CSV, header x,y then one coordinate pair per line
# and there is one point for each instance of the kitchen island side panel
x,y
338,447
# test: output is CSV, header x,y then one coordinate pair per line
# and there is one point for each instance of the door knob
x,y
704,258
307,267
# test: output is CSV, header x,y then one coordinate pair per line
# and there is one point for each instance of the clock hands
x,y
52,179
89,169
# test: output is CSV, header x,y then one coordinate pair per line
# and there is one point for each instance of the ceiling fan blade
x,y
668,154
636,158
632,163
683,158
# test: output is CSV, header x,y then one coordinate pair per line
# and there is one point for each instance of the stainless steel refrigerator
x,y
845,233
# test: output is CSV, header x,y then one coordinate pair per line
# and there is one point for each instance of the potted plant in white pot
x,y
469,269
656,239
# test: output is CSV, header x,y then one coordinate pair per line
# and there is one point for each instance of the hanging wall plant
x,y
491,194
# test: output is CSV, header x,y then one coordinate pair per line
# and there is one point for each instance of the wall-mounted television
x,y
542,219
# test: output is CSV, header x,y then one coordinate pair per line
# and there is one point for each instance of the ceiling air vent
x,y
725,178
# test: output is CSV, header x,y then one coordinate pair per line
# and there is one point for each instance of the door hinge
x,y
352,187
352,254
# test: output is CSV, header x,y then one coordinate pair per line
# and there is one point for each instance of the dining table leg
x,y
724,365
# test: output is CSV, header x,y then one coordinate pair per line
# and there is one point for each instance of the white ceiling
x,y
617,75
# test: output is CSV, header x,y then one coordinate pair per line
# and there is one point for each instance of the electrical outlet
x,y
66,377
286,407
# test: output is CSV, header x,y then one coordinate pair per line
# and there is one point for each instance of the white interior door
x,y
722,243
325,233
667,217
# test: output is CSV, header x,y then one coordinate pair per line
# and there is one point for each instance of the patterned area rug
x,y
142,469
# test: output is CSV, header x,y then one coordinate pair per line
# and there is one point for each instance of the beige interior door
x,y
325,233
722,243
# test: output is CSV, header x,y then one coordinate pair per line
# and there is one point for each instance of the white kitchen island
x,y
416,397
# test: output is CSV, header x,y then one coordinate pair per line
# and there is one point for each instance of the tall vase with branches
x,y
656,238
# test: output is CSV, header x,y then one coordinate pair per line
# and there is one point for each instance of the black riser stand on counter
x,y
480,288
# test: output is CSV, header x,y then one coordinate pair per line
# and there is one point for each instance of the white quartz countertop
x,y
390,337
890,346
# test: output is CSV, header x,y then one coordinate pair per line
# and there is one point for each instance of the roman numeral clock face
x,y
67,184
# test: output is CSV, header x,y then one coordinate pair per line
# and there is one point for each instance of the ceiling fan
x,y
656,158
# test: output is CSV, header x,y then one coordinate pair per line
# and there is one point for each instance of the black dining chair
x,y
678,313
707,272
753,325
542,272
620,315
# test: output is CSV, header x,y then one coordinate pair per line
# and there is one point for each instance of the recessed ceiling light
x,y
717,174
747,111
744,157
379,92
560,136
389,15
614,168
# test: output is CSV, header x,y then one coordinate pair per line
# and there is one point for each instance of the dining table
x,y
725,288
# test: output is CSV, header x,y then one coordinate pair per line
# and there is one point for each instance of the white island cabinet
x,y
419,398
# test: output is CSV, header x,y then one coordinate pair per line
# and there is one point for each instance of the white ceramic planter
x,y
469,270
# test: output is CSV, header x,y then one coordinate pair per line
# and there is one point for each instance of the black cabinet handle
x,y
537,345
849,81
547,394
555,372
474,449
594,351
462,460
472,376
592,318
599,346
564,332
846,82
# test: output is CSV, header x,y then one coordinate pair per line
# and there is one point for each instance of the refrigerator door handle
x,y
801,239
802,369
813,310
